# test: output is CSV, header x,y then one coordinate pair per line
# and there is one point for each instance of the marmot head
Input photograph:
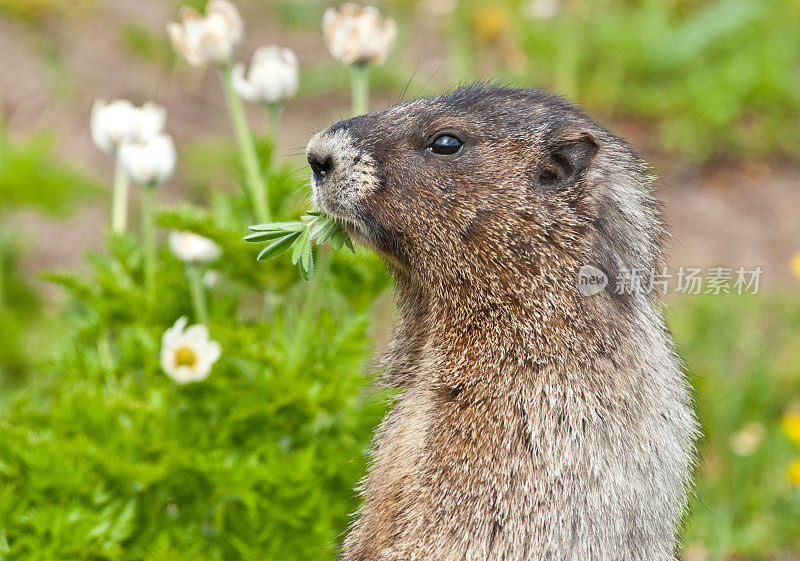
x,y
488,189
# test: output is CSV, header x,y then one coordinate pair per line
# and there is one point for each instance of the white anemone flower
x,y
120,121
356,34
541,9
210,38
211,278
748,439
272,77
148,163
193,248
187,355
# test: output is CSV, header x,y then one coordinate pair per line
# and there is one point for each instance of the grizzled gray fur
x,y
533,423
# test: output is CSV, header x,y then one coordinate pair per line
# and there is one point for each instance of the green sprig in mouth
x,y
313,228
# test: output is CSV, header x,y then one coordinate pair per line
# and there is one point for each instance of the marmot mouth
x,y
365,231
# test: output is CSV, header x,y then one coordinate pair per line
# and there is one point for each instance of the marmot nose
x,y
321,166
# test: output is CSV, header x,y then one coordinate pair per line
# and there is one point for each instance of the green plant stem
x,y
196,289
461,48
2,273
359,81
148,231
307,317
247,149
119,203
567,66
275,110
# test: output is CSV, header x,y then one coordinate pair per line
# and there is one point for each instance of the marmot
x,y
533,423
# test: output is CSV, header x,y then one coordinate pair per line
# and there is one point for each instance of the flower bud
x,y
148,163
356,35
119,121
193,248
272,77
210,38
541,9
211,278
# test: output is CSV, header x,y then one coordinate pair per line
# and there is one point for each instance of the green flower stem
x,y
119,203
566,78
461,48
148,231
198,298
247,149
359,80
275,110
2,274
307,317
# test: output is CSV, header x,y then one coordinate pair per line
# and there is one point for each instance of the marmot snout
x,y
534,423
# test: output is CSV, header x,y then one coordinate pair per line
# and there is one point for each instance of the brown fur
x,y
533,423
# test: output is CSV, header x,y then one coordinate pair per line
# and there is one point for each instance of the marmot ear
x,y
566,157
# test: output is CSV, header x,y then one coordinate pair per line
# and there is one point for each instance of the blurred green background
x,y
104,457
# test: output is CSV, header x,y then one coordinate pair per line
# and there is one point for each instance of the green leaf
x,y
325,231
338,239
306,258
306,265
317,227
278,246
302,242
264,236
294,226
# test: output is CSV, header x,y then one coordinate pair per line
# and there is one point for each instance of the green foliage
x,y
149,45
108,459
31,176
316,228
33,10
743,356
254,463
19,310
718,77
715,78
305,14
104,457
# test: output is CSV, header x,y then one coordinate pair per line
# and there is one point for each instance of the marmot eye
x,y
445,145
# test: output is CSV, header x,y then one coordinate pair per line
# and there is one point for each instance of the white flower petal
x,y
211,278
174,334
182,374
167,359
193,248
210,39
273,76
541,9
213,352
243,88
148,163
113,123
205,352
197,336
151,121
227,11
355,34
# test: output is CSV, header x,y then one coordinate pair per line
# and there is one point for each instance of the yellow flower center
x,y
794,473
791,426
185,356
796,265
492,22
